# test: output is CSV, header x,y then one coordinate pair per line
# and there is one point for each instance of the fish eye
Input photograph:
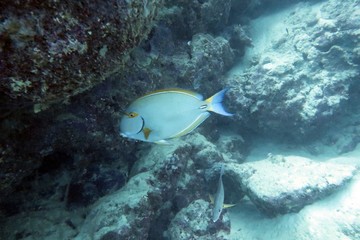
x,y
132,114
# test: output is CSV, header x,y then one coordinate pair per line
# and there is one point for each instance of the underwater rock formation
x,y
125,214
52,50
73,138
73,155
193,222
348,138
197,64
209,59
233,146
280,185
27,139
188,18
163,181
238,39
305,75
48,223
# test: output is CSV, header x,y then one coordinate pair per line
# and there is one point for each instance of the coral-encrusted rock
x,y
195,146
191,17
53,222
234,146
51,50
201,61
210,57
304,76
205,153
126,214
194,222
164,181
280,185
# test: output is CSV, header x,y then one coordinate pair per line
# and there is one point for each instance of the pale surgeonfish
x,y
168,113
219,197
218,202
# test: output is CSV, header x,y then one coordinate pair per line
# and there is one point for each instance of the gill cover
x,y
131,124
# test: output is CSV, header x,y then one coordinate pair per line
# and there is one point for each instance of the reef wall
x,y
51,50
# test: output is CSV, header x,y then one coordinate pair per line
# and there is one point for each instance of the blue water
x,y
290,152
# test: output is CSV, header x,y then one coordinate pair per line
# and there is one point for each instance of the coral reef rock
x,y
124,214
280,185
194,222
188,18
129,212
163,181
210,57
301,75
78,136
49,223
52,50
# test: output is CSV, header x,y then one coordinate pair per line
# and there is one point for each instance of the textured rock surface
x,y
92,117
164,180
76,138
308,71
210,58
72,154
280,185
194,222
126,214
51,50
191,17
51,223
198,64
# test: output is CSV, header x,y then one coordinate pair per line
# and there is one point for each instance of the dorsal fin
x,y
174,90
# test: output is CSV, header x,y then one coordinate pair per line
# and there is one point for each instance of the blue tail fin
x,y
215,103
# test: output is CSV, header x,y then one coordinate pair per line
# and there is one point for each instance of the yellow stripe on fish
x,y
175,90
225,205
168,113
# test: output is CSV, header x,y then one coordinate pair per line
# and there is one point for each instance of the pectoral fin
x,y
146,132
211,199
228,205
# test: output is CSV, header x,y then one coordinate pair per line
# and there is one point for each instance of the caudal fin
x,y
215,103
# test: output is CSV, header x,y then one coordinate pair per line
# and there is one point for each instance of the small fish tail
x,y
215,103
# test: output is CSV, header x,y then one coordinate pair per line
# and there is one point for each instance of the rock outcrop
x,y
280,185
53,50
192,222
301,76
